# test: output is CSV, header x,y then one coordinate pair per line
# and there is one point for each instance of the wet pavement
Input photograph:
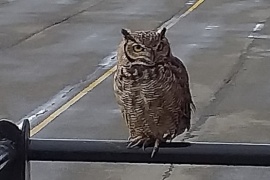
x,y
225,45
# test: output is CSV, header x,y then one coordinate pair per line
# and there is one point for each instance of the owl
x,y
151,87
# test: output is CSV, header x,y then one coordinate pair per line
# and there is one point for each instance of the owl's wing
x,y
182,77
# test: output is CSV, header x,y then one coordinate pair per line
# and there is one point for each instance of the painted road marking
x,y
72,101
168,24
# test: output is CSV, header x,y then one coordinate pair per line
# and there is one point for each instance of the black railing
x,y
17,149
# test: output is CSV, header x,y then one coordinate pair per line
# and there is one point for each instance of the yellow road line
x,y
91,86
72,101
199,2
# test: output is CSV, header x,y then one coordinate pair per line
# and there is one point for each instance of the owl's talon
x,y
169,137
129,138
146,143
156,148
135,142
129,145
172,137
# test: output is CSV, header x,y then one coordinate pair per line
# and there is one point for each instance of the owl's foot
x,y
135,142
144,142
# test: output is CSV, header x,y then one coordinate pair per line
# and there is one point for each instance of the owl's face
x,y
145,47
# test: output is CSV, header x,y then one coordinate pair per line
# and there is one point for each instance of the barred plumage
x,y
152,88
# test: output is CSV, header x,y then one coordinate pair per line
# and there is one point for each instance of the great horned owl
x,y
152,89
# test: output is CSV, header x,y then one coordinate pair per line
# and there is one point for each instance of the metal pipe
x,y
176,152
7,153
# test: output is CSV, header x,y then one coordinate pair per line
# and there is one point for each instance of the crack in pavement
x,y
221,92
6,2
168,173
219,95
27,37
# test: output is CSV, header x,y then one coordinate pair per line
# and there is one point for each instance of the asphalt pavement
x,y
224,44
46,46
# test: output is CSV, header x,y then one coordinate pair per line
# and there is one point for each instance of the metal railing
x,y
17,149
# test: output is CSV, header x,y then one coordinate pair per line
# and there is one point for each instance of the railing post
x,y
14,164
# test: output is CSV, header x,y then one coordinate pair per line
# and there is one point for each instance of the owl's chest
x,y
148,83
141,75
136,80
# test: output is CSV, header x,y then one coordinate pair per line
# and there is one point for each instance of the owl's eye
x,y
160,46
138,48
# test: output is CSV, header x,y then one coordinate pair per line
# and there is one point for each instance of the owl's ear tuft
x,y
125,32
162,32
127,35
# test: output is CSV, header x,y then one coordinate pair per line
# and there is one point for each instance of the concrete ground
x,y
224,44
